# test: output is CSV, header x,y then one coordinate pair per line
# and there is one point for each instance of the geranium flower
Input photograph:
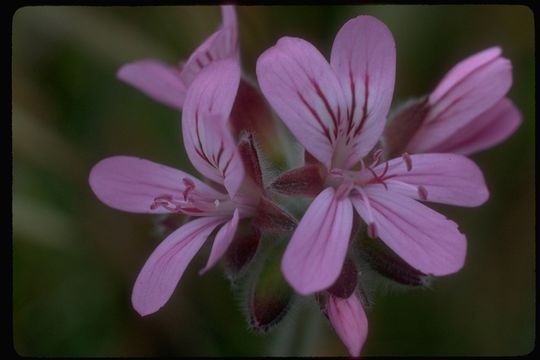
x,y
338,110
141,186
466,113
168,84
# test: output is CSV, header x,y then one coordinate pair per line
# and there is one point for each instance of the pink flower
x,y
337,110
468,111
141,186
168,84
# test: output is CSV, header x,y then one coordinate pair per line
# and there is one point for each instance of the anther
x,y
336,172
408,161
376,157
372,230
422,192
189,186
216,203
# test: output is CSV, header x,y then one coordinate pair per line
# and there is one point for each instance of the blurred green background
x,y
75,259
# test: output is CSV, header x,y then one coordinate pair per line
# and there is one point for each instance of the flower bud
x,y
303,181
346,282
272,217
270,296
250,113
250,158
242,250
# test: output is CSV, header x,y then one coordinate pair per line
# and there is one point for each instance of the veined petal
x,y
230,45
462,70
469,89
132,184
164,268
222,241
159,81
220,45
422,237
446,178
364,59
207,138
213,91
304,91
486,130
212,150
348,318
315,254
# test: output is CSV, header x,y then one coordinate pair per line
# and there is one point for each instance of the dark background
x,y
75,259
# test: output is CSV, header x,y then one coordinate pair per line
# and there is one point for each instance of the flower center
x,y
347,181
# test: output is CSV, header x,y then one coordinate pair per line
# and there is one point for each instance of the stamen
x,y
189,186
166,201
423,193
336,172
216,203
379,179
372,227
372,230
344,190
362,165
408,161
376,157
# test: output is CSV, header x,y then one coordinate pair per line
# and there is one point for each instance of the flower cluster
x,y
364,180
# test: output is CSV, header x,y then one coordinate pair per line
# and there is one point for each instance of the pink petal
x,y
222,241
157,80
349,320
422,237
364,59
447,178
230,44
303,90
486,130
222,44
164,268
315,254
469,89
462,70
208,141
131,184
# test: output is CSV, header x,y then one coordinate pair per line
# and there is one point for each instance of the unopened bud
x,y
241,251
271,217
250,113
346,282
303,181
250,158
270,296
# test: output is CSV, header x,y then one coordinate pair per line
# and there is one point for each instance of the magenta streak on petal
x,y
364,107
317,117
320,94
350,116
199,149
